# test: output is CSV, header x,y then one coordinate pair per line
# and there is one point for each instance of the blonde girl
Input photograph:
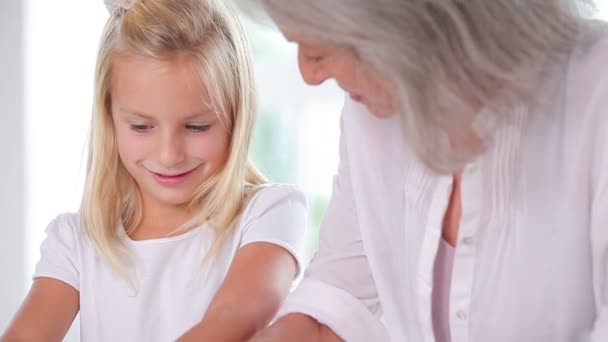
x,y
177,236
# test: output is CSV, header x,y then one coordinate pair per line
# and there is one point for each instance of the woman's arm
x,y
599,234
256,284
46,313
599,219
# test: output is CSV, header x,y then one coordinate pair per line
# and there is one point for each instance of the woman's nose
x,y
313,72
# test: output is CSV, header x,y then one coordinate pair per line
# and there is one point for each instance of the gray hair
x,y
447,58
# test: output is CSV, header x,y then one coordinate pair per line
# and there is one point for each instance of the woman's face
x,y
319,61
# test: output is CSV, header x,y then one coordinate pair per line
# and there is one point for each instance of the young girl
x,y
176,234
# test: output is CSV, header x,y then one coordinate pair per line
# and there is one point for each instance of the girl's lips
x,y
171,179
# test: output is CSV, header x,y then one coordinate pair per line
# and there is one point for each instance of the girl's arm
x,y
297,327
257,282
46,314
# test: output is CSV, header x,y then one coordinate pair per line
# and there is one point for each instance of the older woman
x,y
471,201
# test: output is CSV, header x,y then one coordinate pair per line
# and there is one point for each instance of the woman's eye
x,y
315,59
140,128
198,128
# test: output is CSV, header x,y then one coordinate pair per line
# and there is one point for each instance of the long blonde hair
x,y
210,32
446,58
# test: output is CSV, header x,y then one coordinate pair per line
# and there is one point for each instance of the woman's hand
x,y
296,328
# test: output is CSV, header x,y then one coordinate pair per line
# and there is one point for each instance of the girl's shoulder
x,y
61,251
276,214
65,226
265,197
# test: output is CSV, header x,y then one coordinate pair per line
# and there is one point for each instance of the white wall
x,y
12,169
47,57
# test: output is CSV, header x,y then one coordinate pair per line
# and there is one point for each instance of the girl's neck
x,y
160,221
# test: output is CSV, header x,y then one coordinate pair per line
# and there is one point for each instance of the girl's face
x,y
168,138
319,61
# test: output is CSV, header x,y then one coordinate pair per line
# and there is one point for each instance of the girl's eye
x,y
198,128
140,128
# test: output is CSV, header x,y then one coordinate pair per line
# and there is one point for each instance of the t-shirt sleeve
x,y
277,214
59,252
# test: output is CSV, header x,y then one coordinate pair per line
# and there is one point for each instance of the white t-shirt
x,y
171,290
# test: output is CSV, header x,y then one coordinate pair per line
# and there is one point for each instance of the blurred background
x,y
47,57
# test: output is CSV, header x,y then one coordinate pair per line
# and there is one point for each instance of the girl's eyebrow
x,y
135,113
204,114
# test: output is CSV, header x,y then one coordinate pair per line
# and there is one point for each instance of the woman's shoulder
x,y
589,56
587,76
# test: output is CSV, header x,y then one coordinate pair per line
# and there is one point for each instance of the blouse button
x,y
471,167
467,241
461,315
